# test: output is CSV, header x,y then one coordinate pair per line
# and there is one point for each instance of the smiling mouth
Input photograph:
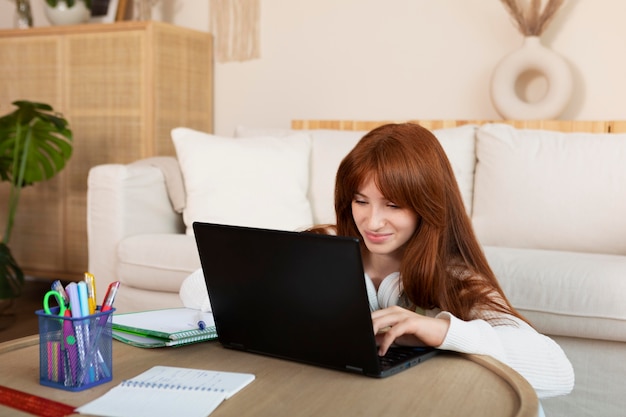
x,y
377,237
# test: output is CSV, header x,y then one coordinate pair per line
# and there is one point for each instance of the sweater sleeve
x,y
512,341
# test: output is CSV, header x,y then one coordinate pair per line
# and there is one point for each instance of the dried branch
x,y
529,18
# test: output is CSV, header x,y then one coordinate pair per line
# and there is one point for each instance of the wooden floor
x,y
20,319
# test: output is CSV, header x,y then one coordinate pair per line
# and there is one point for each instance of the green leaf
x,y
33,141
35,145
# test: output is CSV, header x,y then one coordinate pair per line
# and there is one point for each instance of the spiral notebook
x,y
169,391
165,327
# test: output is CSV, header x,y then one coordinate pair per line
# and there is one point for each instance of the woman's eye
x,y
359,202
394,206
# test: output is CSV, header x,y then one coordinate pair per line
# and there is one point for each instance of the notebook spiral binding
x,y
173,387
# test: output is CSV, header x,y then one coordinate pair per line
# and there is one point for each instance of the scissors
x,y
69,337
60,302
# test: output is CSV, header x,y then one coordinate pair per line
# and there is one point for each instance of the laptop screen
x,y
293,295
297,296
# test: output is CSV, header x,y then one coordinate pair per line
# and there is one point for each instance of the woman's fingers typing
x,y
396,324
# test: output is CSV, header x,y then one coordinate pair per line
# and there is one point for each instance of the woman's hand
x,y
405,327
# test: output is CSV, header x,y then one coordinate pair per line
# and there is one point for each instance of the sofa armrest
x,y
122,201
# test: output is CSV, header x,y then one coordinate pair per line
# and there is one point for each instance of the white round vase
x,y
531,56
61,14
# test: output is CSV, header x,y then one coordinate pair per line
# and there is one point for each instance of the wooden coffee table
x,y
448,384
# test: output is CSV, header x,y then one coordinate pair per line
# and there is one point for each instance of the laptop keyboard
x,y
398,354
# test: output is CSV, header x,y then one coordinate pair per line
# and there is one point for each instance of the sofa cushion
x,y
565,293
329,147
170,169
550,190
257,182
459,143
156,262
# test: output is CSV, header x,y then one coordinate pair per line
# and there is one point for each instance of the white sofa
x,y
549,208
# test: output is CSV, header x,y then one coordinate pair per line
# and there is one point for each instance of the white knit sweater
x,y
504,337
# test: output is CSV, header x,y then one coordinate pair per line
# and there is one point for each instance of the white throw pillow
x,y
255,182
550,190
329,147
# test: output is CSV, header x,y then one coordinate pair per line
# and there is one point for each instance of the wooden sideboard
x,y
122,86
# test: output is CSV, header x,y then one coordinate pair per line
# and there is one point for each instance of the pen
x,y
75,294
83,298
72,293
107,304
71,353
55,360
58,287
201,323
91,292
84,311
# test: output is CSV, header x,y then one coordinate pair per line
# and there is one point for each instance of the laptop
x,y
295,296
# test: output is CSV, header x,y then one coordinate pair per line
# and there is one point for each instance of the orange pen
x,y
90,280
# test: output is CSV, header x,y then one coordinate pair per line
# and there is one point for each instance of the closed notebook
x,y
165,327
138,340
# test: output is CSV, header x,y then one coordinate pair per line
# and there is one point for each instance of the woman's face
x,y
384,226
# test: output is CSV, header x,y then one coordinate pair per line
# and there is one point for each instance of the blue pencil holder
x,y
75,353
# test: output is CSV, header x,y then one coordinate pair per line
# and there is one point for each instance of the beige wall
x,y
398,59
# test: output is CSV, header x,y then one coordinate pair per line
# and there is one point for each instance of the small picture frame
x,y
107,11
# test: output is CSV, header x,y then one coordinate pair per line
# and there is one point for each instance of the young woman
x,y
427,277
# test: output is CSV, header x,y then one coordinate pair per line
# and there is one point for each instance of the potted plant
x,y
68,12
35,144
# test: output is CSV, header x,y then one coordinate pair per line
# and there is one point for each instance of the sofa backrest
x,y
330,146
543,184
550,190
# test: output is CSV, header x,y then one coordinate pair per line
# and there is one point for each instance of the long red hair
x,y
443,265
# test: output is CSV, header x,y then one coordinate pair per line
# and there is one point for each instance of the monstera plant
x,y
35,144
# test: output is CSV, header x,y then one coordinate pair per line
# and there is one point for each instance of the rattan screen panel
x,y
123,87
